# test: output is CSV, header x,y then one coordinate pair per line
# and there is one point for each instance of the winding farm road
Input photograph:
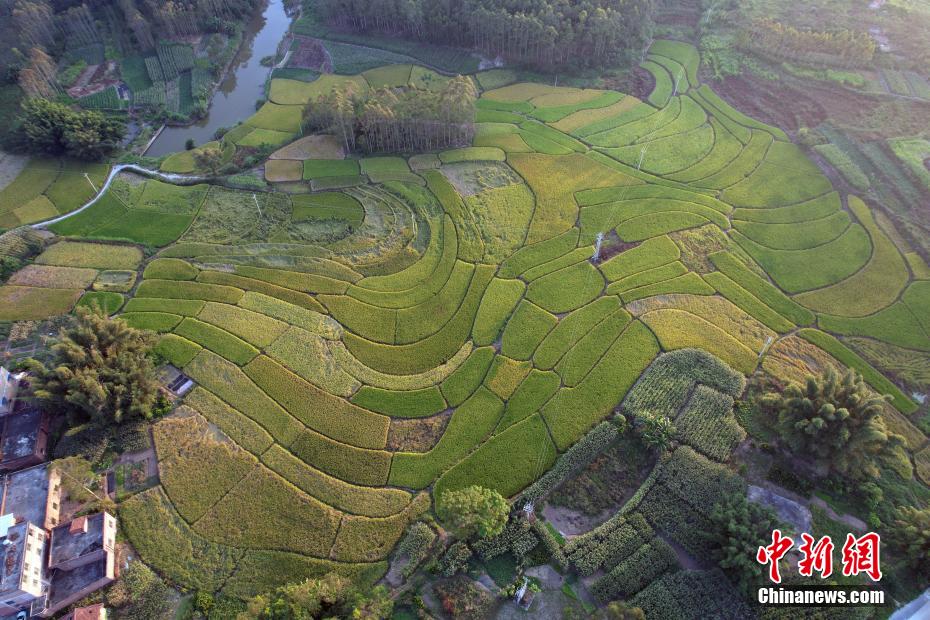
x,y
179,179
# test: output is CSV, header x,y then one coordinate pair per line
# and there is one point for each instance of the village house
x,y
45,564
49,565
24,428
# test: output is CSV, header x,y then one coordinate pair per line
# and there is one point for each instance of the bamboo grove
x,y
541,33
398,120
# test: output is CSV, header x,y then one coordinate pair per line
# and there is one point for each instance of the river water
x,y
235,98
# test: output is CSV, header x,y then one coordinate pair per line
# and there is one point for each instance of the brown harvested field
x,y
793,359
47,276
312,147
96,255
25,303
282,170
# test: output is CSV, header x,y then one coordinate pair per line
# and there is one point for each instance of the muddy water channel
x,y
242,86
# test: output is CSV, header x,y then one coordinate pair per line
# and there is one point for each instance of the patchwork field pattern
x,y
462,288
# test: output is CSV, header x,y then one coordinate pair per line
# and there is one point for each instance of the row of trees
x,y
397,120
844,48
39,24
543,33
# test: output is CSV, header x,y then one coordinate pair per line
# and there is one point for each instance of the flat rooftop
x,y
67,583
20,435
25,494
11,556
67,545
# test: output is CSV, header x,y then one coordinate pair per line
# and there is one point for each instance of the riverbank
x,y
240,88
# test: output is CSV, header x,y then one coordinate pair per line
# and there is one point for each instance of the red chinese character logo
x,y
773,553
817,557
861,555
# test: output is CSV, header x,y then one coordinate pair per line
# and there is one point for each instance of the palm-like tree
x,y
100,371
837,421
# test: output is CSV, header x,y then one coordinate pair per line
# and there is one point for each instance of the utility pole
x,y
87,176
642,156
260,216
765,347
678,81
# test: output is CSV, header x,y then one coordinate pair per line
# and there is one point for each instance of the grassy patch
x,y
170,269
327,206
507,462
365,501
283,118
465,380
470,424
500,299
525,330
170,289
403,404
321,168
177,350
110,303
884,276
573,411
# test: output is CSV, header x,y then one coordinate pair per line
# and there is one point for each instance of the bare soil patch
x,y
310,54
417,435
312,147
10,167
791,104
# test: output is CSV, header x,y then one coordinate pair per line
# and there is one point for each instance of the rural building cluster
x,y
48,558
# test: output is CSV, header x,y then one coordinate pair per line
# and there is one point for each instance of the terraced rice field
x,y
317,326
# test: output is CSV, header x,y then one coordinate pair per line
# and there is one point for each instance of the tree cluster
x,y
99,371
837,423
56,129
737,529
911,534
473,512
398,120
543,33
330,596
844,48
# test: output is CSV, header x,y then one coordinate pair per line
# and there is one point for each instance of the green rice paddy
x,y
313,322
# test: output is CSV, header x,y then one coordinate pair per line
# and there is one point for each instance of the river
x,y
243,85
